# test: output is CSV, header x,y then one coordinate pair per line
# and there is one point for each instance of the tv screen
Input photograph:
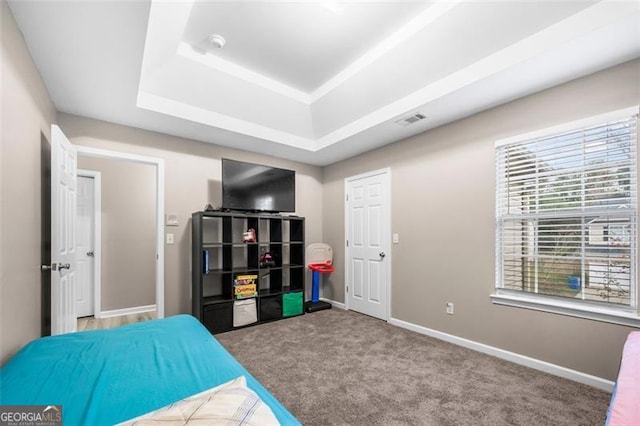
x,y
254,187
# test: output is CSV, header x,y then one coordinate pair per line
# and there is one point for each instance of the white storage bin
x,y
244,312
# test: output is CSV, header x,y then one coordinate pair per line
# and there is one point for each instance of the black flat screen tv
x,y
253,187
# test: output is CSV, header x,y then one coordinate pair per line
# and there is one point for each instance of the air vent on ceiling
x,y
411,119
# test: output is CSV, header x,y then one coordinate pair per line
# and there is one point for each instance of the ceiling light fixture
x,y
217,40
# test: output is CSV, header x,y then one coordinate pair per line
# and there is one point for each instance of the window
x,y
566,217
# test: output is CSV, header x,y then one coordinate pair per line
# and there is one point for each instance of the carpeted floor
x,y
341,368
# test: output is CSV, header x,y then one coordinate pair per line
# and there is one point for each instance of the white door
x,y
63,232
85,259
368,226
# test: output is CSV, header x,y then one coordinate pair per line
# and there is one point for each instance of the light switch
x,y
396,238
172,220
169,238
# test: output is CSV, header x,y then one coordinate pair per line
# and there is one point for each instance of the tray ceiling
x,y
315,82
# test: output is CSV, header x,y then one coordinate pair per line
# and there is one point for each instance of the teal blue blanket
x,y
103,377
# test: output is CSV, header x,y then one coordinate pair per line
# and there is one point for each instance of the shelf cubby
x,y
220,254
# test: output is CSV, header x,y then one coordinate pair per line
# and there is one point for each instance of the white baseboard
x,y
126,311
338,305
547,367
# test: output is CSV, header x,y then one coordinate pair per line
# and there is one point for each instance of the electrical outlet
x,y
169,238
450,308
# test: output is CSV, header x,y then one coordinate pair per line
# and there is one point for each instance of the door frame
x,y
45,230
159,164
347,181
97,236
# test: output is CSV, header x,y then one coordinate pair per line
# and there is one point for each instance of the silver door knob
x,y
55,266
382,255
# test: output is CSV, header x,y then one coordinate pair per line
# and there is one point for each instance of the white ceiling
x,y
301,44
316,82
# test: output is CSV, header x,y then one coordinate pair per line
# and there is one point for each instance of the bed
x,y
104,377
624,408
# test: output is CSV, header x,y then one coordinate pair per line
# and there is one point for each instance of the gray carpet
x,y
342,368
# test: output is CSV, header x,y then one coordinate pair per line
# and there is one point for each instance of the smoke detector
x,y
216,40
406,121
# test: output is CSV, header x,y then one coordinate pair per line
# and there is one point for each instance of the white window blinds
x,y
566,214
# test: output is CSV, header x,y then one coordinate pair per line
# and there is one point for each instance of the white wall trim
x,y
159,163
335,304
97,237
89,151
127,311
526,361
594,120
160,239
604,314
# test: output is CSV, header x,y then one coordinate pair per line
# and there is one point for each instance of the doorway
x,y
368,254
58,252
102,307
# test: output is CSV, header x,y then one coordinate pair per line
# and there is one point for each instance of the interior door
x,y
85,260
368,228
63,232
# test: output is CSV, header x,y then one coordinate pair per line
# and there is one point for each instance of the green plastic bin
x,y
292,304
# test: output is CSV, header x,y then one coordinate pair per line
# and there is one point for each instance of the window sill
x,y
595,313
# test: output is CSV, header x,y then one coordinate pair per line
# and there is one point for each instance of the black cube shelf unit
x,y
219,256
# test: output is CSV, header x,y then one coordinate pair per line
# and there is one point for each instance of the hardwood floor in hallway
x,y
92,323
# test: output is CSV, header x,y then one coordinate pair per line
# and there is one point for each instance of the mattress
x,y
624,408
103,377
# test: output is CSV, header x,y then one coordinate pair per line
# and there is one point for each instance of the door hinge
x,y
347,243
347,289
347,197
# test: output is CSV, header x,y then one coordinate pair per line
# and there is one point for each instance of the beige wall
x,y
192,179
27,112
443,204
128,232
